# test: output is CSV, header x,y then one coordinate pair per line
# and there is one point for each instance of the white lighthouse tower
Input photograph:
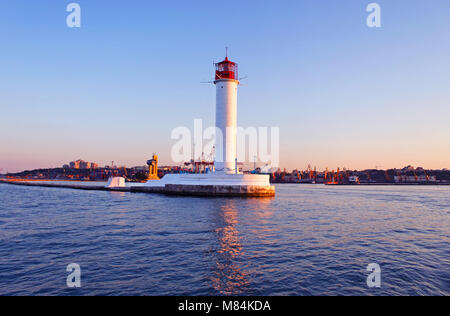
x,y
227,83
226,180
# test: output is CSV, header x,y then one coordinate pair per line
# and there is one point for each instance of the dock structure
x,y
68,185
170,189
225,179
208,190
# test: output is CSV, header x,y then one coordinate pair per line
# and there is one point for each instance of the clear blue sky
x,y
342,94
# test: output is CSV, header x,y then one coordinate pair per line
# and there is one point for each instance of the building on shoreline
x,y
81,164
141,173
407,175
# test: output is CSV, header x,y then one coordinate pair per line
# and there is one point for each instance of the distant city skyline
x,y
342,94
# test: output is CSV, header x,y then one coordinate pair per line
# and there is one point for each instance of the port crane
x,y
415,175
369,178
283,175
426,175
400,177
386,175
298,176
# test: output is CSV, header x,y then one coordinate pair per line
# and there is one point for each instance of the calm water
x,y
308,240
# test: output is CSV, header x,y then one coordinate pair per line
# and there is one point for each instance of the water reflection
x,y
261,208
117,193
231,274
228,276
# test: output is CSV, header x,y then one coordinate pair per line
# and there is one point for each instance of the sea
x,y
308,240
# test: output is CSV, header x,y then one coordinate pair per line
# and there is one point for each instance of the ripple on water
x,y
309,240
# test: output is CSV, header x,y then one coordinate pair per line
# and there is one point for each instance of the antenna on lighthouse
x,y
226,51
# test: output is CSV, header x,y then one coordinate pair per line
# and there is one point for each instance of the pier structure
x,y
226,180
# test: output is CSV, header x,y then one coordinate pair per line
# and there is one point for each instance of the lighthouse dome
x,y
226,70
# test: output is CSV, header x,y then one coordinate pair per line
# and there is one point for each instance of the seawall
x,y
170,189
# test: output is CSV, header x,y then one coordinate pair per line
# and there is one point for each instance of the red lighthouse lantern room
x,y
226,70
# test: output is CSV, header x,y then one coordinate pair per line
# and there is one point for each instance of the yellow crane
x,y
153,168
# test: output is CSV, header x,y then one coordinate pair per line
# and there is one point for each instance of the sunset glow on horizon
x,y
342,94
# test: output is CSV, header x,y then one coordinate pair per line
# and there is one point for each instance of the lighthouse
x,y
226,81
227,180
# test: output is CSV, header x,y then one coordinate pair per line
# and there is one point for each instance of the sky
x,y
342,94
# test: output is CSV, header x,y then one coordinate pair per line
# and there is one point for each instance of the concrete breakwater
x,y
171,189
68,185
